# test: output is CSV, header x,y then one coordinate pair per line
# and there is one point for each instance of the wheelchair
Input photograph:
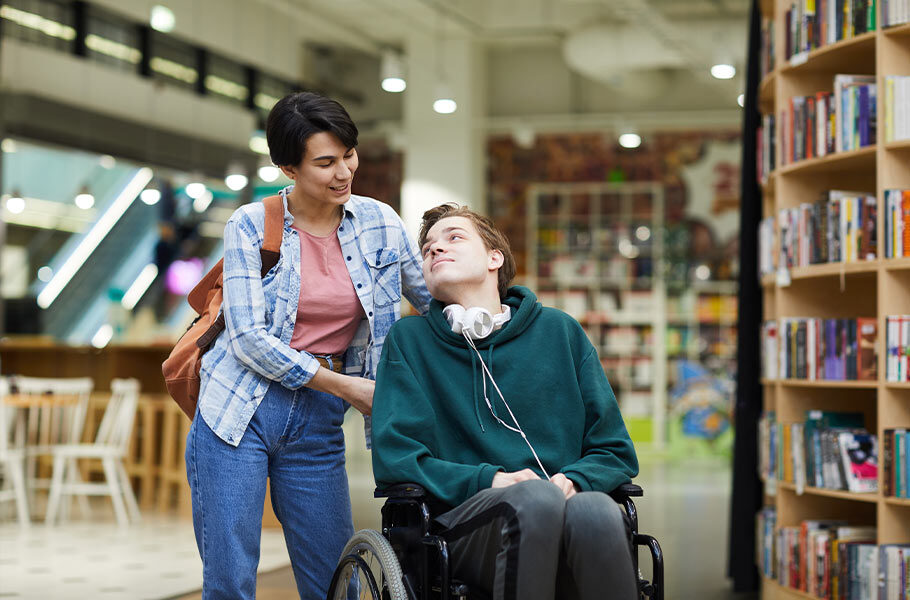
x,y
409,561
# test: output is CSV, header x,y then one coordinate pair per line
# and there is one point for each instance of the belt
x,y
332,362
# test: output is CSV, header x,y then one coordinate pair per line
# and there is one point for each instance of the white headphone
x,y
475,322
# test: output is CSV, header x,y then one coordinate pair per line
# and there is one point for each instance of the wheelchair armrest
x,y
401,490
626,491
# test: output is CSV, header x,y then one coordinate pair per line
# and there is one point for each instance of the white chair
x,y
110,447
52,412
12,459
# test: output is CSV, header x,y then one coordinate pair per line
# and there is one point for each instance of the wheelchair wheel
x,y
368,569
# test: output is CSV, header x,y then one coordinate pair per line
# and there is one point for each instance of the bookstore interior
x,y
718,191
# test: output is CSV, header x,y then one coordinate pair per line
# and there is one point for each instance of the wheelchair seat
x,y
408,560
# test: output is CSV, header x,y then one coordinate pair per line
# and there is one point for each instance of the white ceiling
x,y
617,55
388,22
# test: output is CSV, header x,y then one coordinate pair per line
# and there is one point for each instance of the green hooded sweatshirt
x,y
432,426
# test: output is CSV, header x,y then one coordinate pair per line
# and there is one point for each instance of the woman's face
x,y
326,172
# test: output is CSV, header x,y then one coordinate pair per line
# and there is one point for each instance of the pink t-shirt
x,y
329,310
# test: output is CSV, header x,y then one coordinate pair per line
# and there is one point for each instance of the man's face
x,y
455,258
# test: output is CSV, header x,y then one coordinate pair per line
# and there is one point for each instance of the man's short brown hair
x,y
492,238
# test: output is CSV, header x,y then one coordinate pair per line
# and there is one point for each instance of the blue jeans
x,y
294,439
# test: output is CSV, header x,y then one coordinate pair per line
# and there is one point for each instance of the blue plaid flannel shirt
x,y
260,312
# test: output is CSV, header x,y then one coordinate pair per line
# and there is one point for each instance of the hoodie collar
x,y
520,300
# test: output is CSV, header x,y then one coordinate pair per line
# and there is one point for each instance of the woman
x,y
272,395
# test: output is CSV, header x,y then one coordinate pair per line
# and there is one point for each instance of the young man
x,y
514,432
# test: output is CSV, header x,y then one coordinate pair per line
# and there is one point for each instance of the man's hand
x,y
502,479
568,487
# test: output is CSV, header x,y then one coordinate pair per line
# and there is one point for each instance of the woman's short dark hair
x,y
300,115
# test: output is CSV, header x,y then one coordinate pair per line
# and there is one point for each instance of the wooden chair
x,y
110,446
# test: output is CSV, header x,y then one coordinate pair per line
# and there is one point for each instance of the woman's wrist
x,y
329,381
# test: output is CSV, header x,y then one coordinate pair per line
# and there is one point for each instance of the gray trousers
x,y
526,541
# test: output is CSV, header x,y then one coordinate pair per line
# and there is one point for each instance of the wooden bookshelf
x,y
854,160
841,494
875,288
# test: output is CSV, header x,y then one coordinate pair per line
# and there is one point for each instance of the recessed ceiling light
x,y
630,140
162,19
723,71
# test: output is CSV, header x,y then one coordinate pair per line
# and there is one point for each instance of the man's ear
x,y
496,260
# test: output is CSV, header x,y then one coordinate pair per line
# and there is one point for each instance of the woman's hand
x,y
360,394
356,391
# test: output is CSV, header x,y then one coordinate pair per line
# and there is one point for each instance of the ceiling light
x,y
723,71
444,104
630,140
107,161
15,203
195,190
103,336
162,19
45,274
97,233
139,286
259,144
150,196
84,199
236,178
741,99
269,173
392,72
202,202
8,145
236,181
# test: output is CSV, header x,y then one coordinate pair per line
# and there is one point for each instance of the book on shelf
x,y
839,227
827,122
765,548
767,264
855,112
816,349
895,12
859,454
824,558
893,572
830,450
766,45
765,152
896,125
895,466
897,223
897,347
812,24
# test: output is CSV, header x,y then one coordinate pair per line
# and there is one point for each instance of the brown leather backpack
x,y
181,368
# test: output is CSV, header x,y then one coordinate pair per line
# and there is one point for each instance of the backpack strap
x,y
274,228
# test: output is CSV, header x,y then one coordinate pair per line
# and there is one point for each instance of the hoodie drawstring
x,y
474,395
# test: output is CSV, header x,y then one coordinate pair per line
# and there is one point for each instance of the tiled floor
x,y
686,506
156,558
